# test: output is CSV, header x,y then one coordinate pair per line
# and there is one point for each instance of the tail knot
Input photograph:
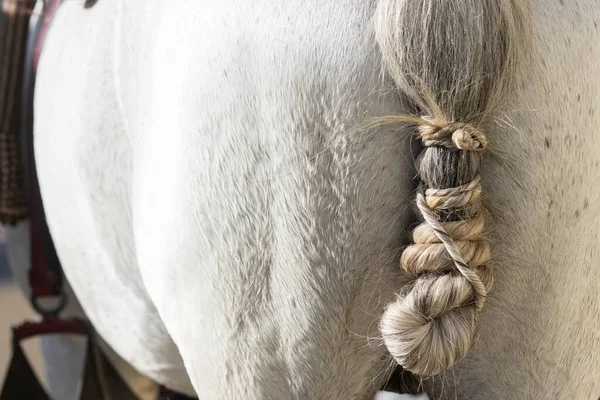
x,y
453,135
432,325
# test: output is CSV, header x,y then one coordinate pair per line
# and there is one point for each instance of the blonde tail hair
x,y
456,61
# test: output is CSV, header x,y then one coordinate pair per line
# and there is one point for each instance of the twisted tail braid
x,y
456,61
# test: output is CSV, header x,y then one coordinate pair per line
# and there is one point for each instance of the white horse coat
x,y
230,234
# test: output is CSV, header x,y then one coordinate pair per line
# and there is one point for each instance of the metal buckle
x,y
49,311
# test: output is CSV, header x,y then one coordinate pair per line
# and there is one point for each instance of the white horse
x,y
231,233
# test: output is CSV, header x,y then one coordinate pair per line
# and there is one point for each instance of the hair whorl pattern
x,y
455,61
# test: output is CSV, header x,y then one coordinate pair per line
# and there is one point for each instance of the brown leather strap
x,y
100,379
14,28
21,382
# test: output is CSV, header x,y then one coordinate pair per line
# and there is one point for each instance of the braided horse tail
x,y
455,61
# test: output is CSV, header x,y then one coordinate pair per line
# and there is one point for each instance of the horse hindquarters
x,y
266,225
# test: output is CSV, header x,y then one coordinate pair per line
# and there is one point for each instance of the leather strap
x,y
14,26
100,379
20,381
45,275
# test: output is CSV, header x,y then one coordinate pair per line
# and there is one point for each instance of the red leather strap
x,y
45,275
50,326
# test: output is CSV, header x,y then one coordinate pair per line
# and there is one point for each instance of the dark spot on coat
x,y
579,98
577,213
547,142
586,203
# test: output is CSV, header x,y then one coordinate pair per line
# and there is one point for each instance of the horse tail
x,y
455,61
